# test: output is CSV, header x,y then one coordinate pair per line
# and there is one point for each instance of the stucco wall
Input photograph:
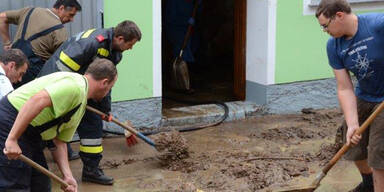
x,y
140,69
300,42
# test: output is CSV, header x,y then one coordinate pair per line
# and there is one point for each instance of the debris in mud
x,y
291,133
308,111
173,150
326,152
116,163
256,170
321,119
261,174
324,155
184,187
188,187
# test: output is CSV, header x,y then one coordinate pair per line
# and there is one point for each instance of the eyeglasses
x,y
325,27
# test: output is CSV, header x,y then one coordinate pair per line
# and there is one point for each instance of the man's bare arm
x,y
4,29
26,114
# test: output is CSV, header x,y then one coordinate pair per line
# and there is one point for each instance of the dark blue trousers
x,y
15,174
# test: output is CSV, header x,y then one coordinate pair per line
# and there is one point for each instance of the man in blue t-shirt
x,y
357,46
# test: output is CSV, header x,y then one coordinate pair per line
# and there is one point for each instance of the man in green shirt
x,y
47,109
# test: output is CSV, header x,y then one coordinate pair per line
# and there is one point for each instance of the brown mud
x,y
250,155
173,150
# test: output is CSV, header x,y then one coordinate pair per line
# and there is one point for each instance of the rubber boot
x,y
96,175
362,188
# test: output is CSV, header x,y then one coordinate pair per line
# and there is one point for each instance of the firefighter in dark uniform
x,y
75,55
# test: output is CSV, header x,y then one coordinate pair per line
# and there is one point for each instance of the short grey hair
x,y
102,69
14,55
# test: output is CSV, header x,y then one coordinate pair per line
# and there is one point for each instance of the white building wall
x,y
156,19
261,35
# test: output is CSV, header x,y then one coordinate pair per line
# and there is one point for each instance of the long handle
x,y
189,30
43,170
345,147
128,128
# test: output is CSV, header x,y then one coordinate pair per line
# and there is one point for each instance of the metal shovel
x,y
180,73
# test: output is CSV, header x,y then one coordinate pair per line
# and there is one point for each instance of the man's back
x,y
40,19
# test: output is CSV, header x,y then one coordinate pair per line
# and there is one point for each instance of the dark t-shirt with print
x,y
363,55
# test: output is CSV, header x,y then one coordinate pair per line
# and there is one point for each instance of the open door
x,y
215,54
239,45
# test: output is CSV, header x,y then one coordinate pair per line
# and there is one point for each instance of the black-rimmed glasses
x,y
325,27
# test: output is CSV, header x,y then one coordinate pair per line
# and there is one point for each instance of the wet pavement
x,y
255,154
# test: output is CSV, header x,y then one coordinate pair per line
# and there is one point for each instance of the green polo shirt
x,y
66,90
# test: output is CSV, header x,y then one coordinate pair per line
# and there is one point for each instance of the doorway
x,y
215,53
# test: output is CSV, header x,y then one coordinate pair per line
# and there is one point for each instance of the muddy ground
x,y
256,154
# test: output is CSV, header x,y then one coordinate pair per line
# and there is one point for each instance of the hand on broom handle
x,y
128,128
43,170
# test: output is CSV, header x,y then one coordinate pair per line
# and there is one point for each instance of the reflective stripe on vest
x,y
103,52
86,34
69,62
91,149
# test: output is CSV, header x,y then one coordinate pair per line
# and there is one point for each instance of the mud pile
x,y
253,155
253,169
291,133
261,173
324,119
173,150
325,154
245,170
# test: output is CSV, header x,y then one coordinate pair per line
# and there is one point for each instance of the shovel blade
x,y
181,75
295,189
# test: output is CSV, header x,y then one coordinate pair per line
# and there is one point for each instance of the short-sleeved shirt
x,y
40,19
5,83
67,90
363,55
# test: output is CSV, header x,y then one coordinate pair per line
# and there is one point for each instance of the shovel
x,y
128,128
316,183
180,71
43,170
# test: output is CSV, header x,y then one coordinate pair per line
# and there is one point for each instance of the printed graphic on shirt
x,y
362,66
361,59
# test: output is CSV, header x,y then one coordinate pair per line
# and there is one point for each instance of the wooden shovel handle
x,y
189,30
43,170
125,126
359,131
